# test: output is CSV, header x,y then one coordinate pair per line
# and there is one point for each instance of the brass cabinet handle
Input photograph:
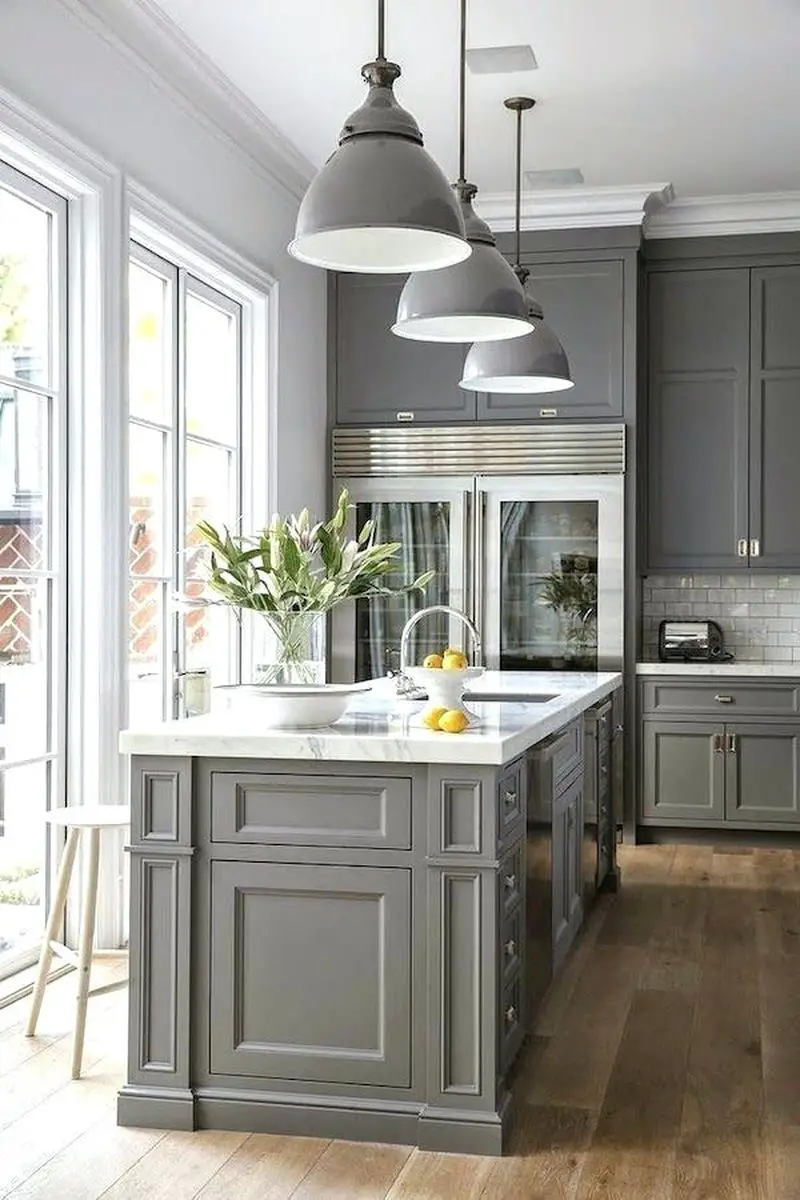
x,y
511,882
755,548
511,1014
510,799
511,948
741,547
723,699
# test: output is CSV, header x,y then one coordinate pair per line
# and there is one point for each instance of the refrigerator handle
x,y
467,560
478,564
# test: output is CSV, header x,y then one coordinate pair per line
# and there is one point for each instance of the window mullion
x,y
178,630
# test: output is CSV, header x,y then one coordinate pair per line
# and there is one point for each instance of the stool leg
x,y
54,920
85,950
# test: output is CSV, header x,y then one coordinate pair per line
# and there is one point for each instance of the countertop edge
x,y
711,670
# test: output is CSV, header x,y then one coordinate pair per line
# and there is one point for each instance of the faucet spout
x,y
438,608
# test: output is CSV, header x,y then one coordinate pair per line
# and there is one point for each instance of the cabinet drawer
x,y
511,946
510,792
512,1025
511,879
304,810
721,698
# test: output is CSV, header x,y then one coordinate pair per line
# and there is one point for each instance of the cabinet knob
x,y
511,948
511,1014
510,799
511,882
724,699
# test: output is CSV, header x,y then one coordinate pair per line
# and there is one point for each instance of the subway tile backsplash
x,y
759,614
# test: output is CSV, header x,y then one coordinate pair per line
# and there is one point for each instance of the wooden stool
x,y
90,819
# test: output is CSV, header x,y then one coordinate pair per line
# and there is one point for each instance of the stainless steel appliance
x,y
523,526
680,640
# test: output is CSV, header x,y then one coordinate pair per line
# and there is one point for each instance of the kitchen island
x,y
327,928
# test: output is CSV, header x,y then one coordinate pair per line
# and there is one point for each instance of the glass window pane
x,y
212,375
146,515
23,840
24,453
548,585
24,290
146,651
210,640
423,528
210,496
149,349
24,667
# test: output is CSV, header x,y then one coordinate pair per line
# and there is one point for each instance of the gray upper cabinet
x,y
379,378
697,460
775,418
584,304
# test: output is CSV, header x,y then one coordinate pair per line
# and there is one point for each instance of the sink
x,y
507,698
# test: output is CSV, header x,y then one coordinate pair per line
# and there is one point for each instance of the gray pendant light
x,y
527,365
380,204
479,299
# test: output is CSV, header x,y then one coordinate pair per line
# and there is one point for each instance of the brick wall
x,y
759,614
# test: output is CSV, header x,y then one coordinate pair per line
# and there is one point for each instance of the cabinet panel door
x,y
683,777
697,424
311,972
584,304
775,418
379,376
762,766
560,867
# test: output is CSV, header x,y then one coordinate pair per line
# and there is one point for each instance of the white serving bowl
x,y
445,688
299,705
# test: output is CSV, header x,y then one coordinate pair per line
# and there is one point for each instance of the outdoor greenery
x,y
12,296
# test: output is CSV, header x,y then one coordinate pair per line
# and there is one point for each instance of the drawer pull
x,y
511,882
511,1014
717,743
510,799
723,699
731,747
741,547
511,948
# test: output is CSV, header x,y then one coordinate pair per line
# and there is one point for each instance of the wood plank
x,y
780,1032
783,1161
353,1171
178,1166
637,1129
266,1167
90,1164
428,1176
573,1069
560,992
545,1156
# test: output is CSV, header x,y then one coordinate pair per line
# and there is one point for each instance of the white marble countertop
x,y
380,728
712,670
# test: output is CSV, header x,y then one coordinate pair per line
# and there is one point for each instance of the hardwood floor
x,y
666,1066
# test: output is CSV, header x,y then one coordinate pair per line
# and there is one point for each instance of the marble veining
x,y
381,728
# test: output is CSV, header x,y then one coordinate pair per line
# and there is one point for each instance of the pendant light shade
x,y
527,365
380,204
479,299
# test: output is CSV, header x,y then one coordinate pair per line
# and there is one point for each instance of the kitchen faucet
x,y
404,685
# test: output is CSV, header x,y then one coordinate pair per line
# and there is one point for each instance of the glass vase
x,y
296,652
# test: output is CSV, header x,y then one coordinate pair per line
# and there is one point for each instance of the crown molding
x,y
716,216
576,207
145,34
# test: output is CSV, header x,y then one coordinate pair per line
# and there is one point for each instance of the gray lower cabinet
x,y
762,773
378,378
296,948
683,775
567,869
584,303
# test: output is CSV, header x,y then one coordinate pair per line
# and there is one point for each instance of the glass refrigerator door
x,y
430,524
554,575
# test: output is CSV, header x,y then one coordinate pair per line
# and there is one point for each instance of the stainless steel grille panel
x,y
479,450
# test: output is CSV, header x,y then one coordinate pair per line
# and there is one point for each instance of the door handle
x,y
741,547
755,548
479,566
717,743
732,744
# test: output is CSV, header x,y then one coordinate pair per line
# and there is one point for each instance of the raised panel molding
x,y
460,934
160,806
459,825
158,1014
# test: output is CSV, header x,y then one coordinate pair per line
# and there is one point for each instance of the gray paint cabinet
x,y
698,768
723,418
378,378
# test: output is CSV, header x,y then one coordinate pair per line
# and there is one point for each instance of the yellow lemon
x,y
432,661
432,716
454,660
453,721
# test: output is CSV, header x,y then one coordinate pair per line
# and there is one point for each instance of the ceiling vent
x,y
556,178
501,60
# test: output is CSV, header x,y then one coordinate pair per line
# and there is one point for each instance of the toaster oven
x,y
691,641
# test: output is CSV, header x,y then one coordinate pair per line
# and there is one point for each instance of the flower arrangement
x,y
293,572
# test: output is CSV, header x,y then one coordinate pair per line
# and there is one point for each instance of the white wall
x,y
63,64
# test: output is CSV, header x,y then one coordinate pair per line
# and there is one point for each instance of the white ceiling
x,y
704,93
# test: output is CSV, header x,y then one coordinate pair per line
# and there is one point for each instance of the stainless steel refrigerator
x,y
523,526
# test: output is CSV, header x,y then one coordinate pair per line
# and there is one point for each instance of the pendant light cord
x,y
518,200
381,30
462,97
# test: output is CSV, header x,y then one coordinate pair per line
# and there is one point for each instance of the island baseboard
x,y
156,1108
